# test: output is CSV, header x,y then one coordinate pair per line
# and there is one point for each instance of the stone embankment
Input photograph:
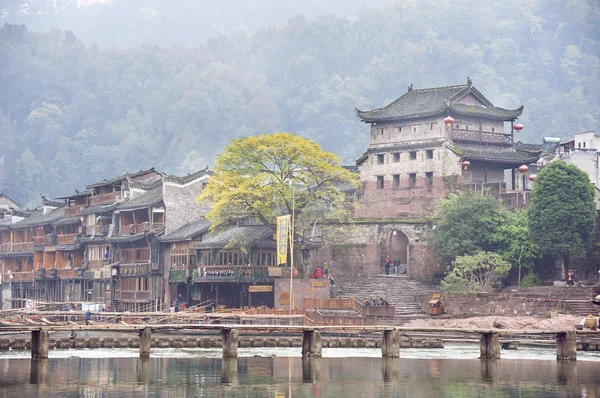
x,y
212,342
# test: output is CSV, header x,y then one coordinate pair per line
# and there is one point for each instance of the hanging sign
x,y
283,238
260,288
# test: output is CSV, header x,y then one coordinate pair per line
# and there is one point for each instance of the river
x,y
281,372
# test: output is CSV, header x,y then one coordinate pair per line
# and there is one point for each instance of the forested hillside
x,y
72,113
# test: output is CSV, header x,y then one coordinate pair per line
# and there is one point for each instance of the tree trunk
x,y
565,265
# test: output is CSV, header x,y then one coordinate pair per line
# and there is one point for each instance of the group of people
x,y
179,303
324,272
388,265
376,301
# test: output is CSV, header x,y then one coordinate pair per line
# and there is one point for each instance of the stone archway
x,y
394,243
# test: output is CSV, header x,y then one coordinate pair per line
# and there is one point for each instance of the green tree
x,y
562,213
467,222
256,176
476,273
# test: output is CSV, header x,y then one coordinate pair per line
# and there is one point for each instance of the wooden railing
x,y
128,295
39,240
18,276
157,226
132,255
72,211
515,199
479,136
22,246
342,303
231,272
96,229
5,247
135,228
95,264
68,272
66,239
104,198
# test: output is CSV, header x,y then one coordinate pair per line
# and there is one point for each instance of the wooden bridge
x,y
489,343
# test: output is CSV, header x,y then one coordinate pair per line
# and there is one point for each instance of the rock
x,y
510,345
498,324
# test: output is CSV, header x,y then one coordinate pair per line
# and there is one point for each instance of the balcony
x,y
104,199
481,137
510,199
66,239
5,247
139,255
67,273
25,276
22,246
95,264
39,240
135,296
96,229
72,211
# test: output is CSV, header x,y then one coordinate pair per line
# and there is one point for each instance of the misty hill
x,y
73,112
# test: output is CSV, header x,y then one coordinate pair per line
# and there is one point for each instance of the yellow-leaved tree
x,y
255,177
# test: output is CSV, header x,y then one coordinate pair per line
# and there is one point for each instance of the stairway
x,y
401,291
582,307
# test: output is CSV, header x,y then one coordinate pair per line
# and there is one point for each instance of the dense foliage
x,y
477,273
262,177
563,210
68,106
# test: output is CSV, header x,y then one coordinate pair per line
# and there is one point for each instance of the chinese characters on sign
x,y
283,233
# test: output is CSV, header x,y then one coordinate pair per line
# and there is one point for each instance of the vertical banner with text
x,y
283,238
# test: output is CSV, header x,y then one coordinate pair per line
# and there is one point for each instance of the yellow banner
x,y
283,238
260,288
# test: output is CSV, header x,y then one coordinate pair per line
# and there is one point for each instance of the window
x,y
412,180
431,126
399,129
584,144
413,155
415,129
429,177
579,145
396,157
396,180
380,182
457,126
429,153
466,127
380,158
381,130
492,129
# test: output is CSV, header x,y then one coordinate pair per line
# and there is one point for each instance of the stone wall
x,y
310,288
506,304
359,249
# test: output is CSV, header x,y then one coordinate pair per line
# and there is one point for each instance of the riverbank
x,y
559,322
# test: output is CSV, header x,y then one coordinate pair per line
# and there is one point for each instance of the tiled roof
x,y
146,199
39,218
504,155
92,239
189,230
126,238
119,178
67,221
401,146
522,146
26,253
71,246
433,101
85,192
98,209
246,236
189,177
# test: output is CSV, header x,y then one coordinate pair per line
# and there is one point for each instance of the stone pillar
x,y
143,375
489,346
38,371
390,344
311,369
229,371
145,343
566,349
312,346
40,344
230,342
390,370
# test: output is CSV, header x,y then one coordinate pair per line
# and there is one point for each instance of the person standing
x,y
396,266
388,264
88,317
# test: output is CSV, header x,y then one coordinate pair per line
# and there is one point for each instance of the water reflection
x,y
291,377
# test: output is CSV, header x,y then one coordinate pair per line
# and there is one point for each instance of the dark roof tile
x,y
39,218
188,231
146,199
246,236
504,155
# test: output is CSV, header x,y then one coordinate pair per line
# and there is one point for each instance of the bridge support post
x,y
312,346
145,343
489,346
40,344
390,344
566,349
230,342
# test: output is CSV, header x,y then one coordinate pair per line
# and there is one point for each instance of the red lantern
x,y
532,177
518,126
448,119
465,164
523,169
